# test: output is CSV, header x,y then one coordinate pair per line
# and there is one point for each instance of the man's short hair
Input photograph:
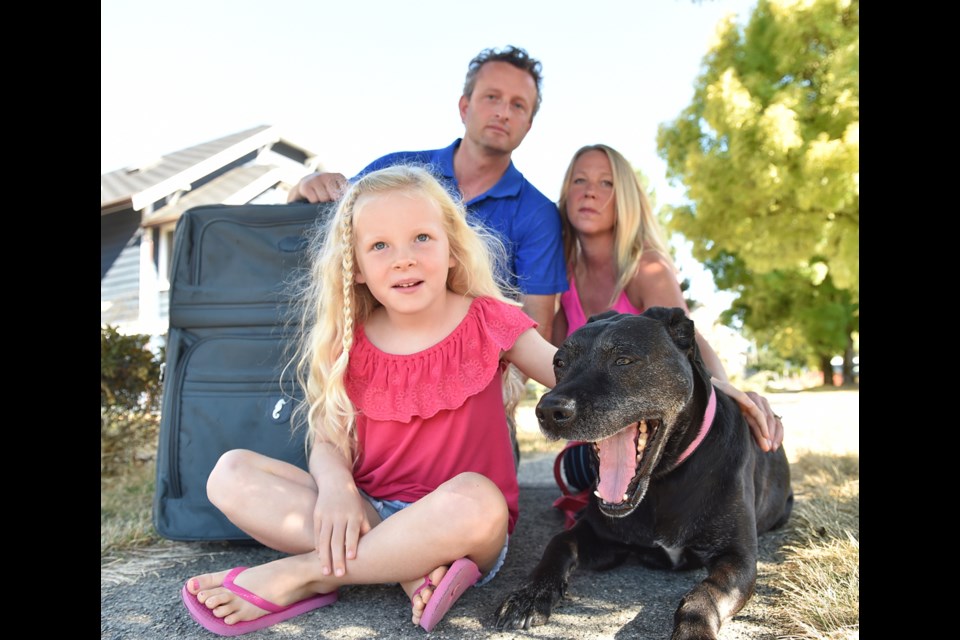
x,y
511,55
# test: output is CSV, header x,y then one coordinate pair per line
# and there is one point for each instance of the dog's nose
x,y
555,410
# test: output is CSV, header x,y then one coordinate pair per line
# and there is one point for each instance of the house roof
x,y
237,186
139,187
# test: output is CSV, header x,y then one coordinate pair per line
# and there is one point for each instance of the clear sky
x,y
354,80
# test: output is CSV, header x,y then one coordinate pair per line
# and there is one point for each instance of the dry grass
x,y
819,578
126,502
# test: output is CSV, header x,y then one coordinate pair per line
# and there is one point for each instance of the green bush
x,y
129,372
130,393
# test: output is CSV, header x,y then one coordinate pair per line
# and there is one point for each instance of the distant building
x,y
140,206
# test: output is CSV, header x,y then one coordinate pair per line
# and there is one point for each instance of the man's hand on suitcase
x,y
319,187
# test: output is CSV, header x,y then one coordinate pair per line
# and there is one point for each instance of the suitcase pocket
x,y
240,270
225,393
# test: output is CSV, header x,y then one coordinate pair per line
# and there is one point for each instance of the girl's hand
x,y
766,426
338,522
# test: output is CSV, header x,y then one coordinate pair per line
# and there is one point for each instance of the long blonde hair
x,y
635,230
332,303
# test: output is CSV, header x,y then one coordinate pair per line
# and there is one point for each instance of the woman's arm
x,y
559,327
655,285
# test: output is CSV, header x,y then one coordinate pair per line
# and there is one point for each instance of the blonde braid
x,y
330,304
346,237
340,411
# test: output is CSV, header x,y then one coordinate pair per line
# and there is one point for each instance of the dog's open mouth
x,y
623,476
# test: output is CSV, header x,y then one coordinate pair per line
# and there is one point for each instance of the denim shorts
x,y
386,508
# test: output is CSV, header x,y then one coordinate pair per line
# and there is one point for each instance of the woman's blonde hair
x,y
635,230
332,303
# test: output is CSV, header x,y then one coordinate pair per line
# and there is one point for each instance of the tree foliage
x,y
800,314
769,148
129,372
130,394
769,153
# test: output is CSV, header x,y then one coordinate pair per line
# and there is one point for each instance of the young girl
x,y
406,336
617,259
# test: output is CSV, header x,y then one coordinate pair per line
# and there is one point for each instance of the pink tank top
x,y
426,417
570,302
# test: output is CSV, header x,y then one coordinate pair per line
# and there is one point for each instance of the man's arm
x,y
318,187
327,187
538,261
541,309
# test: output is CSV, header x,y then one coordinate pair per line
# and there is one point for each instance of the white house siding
x,y
119,268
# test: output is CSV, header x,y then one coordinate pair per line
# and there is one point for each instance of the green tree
x,y
800,315
769,152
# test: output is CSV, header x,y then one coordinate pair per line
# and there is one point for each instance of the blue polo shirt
x,y
526,220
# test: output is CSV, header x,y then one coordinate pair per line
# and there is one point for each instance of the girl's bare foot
x,y
426,587
267,581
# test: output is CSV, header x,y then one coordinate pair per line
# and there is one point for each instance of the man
x,y
501,95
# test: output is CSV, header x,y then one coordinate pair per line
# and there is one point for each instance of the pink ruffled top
x,y
426,417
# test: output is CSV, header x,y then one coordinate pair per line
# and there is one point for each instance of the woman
x,y
617,259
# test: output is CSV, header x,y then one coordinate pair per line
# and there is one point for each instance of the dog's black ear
x,y
602,316
679,326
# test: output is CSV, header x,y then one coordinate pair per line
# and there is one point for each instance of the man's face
x,y
498,114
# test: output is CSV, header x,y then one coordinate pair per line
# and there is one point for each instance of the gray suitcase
x,y
225,386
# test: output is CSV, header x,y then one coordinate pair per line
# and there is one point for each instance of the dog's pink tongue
x,y
618,464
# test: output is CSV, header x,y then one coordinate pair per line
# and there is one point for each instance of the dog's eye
x,y
559,363
623,361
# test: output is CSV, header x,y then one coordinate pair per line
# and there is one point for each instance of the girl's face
x,y
591,201
402,250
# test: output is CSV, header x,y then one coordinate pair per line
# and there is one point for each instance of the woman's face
x,y
591,201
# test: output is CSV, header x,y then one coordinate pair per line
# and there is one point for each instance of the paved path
x,y
140,596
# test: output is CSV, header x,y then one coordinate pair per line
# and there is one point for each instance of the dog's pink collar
x,y
704,428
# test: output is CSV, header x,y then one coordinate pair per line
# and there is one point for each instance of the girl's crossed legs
x,y
273,502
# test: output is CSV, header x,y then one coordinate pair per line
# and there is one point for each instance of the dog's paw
x,y
692,623
687,633
527,607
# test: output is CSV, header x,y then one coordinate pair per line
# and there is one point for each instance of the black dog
x,y
676,488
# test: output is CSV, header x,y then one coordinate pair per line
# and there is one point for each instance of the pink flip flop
x,y
462,574
206,619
